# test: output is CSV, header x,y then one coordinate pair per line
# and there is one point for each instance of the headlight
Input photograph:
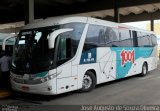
x,y
44,79
36,81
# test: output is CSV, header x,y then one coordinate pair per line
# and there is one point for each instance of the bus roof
x,y
68,19
55,21
115,25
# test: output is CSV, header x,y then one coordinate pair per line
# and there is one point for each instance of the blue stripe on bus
x,y
90,56
122,70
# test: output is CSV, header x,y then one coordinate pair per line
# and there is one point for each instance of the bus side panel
x,y
65,80
107,64
130,60
151,63
136,67
154,58
115,62
66,84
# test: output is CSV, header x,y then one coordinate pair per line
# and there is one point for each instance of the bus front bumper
x,y
43,89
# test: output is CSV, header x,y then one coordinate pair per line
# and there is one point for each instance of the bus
x,y
62,54
6,42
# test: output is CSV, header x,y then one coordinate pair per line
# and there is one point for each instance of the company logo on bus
x,y
127,56
27,65
90,58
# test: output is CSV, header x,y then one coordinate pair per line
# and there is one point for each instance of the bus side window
x,y
154,40
101,36
143,39
149,40
135,39
68,42
125,38
64,49
92,37
112,36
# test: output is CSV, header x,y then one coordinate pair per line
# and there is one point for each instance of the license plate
x,y
25,88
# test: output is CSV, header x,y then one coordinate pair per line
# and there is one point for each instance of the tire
x,y
89,82
144,69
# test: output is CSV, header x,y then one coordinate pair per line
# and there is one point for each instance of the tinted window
x,y
154,39
144,39
112,38
68,42
139,37
101,36
150,40
125,38
135,40
95,35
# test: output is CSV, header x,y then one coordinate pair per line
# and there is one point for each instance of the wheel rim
x,y
87,82
144,70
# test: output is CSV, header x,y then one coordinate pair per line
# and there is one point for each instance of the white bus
x,y
63,54
6,42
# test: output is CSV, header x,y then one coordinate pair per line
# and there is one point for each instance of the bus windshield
x,y
31,52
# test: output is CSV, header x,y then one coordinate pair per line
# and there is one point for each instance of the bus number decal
x,y
127,56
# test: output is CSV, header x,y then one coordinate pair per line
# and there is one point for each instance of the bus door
x,y
65,81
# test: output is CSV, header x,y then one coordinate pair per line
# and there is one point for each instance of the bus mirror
x,y
53,36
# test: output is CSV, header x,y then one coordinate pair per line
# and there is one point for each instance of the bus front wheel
x,y
144,69
89,82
